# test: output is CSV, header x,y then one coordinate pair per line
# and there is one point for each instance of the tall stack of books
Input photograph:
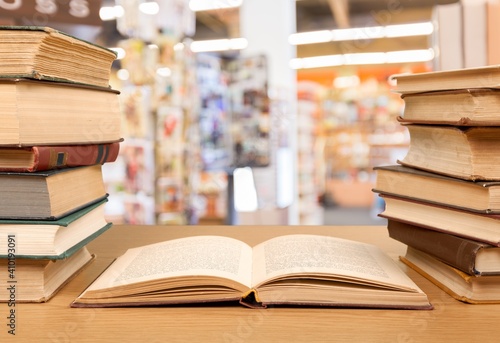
x,y
443,198
59,122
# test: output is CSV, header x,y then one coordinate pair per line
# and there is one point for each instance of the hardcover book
x,y
413,183
38,280
42,158
302,270
465,78
467,153
461,286
47,54
474,18
32,115
469,256
447,36
50,194
473,225
54,239
466,107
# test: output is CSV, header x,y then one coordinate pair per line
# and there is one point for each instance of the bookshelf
x,y
361,131
309,154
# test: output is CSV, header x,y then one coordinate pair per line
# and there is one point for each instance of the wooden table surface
x,y
55,321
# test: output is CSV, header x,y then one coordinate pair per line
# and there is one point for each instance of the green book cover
x,y
41,173
64,221
68,252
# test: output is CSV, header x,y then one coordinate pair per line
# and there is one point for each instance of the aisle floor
x,y
352,216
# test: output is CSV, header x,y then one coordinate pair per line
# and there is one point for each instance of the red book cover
x,y
39,158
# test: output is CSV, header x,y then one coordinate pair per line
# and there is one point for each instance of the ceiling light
x,y
407,30
111,12
317,62
209,5
310,37
365,58
150,8
360,33
405,56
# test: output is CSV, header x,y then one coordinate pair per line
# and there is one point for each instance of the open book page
x,y
193,256
322,255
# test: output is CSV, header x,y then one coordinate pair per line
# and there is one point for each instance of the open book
x,y
288,270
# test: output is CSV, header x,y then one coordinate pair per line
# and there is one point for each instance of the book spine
x,y
453,250
54,157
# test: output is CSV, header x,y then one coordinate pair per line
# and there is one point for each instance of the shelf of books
x,y
151,184
360,130
214,138
311,178
188,120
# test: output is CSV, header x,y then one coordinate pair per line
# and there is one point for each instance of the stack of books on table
x,y
59,122
443,198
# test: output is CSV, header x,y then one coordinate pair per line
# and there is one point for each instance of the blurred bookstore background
x,y
262,112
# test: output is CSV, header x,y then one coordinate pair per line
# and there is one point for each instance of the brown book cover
x,y
456,251
41,158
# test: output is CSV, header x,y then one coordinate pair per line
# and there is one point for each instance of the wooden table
x,y
55,321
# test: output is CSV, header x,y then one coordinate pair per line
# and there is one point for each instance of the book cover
x,y
493,27
447,36
459,252
40,158
65,119
417,184
51,194
68,252
465,78
54,239
38,281
459,285
474,18
472,225
64,221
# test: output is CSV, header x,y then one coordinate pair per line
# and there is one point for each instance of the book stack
x,y
59,122
443,198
